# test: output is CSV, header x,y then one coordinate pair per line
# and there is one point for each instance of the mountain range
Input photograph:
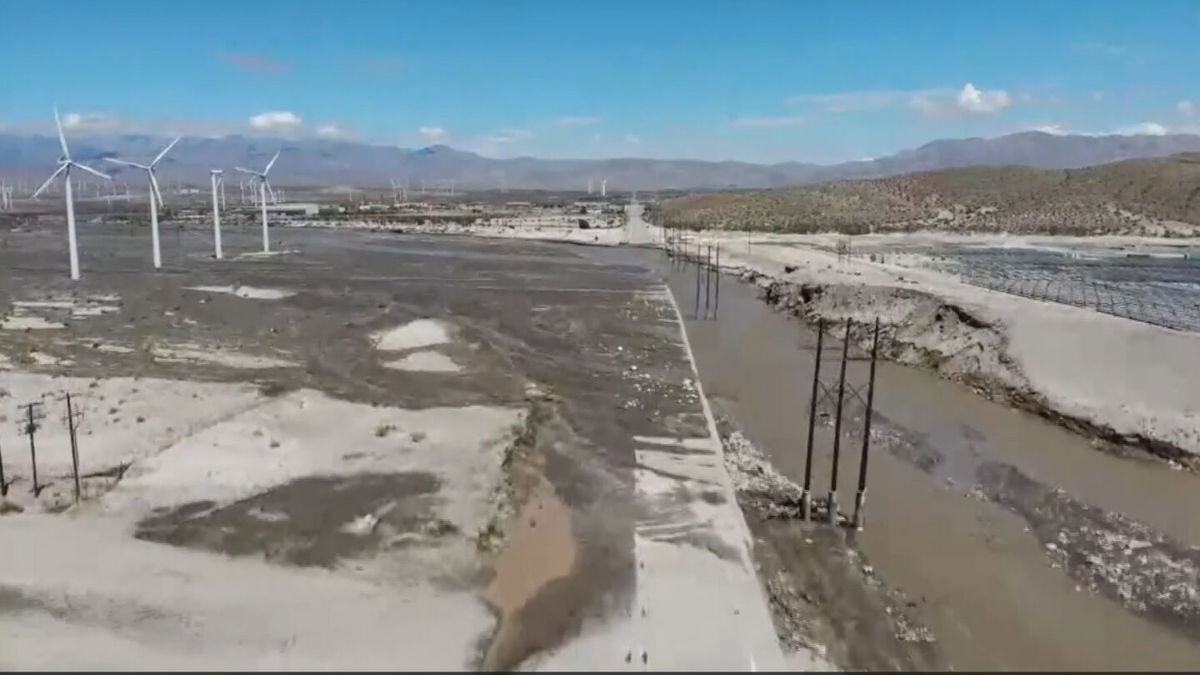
x,y
337,162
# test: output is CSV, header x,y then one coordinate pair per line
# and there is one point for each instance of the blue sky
x,y
752,80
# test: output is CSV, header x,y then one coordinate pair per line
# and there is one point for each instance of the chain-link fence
x,y
1160,291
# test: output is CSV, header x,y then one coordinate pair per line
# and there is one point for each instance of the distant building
x,y
295,209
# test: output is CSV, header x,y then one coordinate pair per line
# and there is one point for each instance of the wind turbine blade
x,y
61,168
269,190
91,171
62,140
165,151
270,164
252,173
157,193
125,163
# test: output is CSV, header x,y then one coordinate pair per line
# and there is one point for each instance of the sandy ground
x,y
264,488
1112,373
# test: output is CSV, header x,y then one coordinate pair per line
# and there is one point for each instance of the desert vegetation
x,y
1147,197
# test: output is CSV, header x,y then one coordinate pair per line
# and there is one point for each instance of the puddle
x,y
313,521
540,550
982,580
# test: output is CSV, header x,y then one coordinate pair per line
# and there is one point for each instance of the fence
x,y
1163,293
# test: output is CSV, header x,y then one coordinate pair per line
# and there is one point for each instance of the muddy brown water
x,y
979,577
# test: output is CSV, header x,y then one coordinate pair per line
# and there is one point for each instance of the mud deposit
x,y
311,521
1127,561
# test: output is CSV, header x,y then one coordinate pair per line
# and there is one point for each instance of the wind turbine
x,y
263,187
217,181
156,199
64,167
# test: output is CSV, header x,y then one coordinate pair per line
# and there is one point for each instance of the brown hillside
x,y
1157,197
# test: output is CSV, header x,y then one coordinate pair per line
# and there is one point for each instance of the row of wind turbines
x,y
65,164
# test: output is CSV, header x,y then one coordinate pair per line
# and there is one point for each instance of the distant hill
x,y
1155,197
329,162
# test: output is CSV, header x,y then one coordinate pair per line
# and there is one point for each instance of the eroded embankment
x,y
922,329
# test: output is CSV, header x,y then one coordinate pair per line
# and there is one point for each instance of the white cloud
x,y
766,122
1186,108
1143,129
279,120
434,134
975,100
633,139
91,122
332,130
928,101
1053,128
577,120
855,101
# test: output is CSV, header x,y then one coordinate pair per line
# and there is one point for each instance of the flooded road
x,y
981,577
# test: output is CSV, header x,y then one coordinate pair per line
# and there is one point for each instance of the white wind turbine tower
x,y
217,181
156,199
263,187
64,168
604,187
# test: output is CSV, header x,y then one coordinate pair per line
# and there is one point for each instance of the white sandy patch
x,y
92,310
110,433
249,292
307,433
43,359
425,361
134,605
45,304
39,314
218,357
29,322
258,255
115,349
412,335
